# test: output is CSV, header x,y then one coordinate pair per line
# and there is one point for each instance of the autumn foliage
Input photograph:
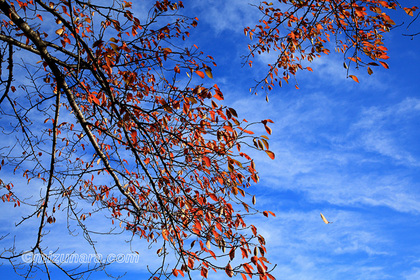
x,y
113,118
301,31
112,121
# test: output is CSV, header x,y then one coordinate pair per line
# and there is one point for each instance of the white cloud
x,y
232,16
385,130
304,247
414,274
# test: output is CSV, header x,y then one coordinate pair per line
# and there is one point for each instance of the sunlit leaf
x,y
207,161
229,270
168,50
324,219
59,31
209,73
268,129
409,11
354,78
384,64
270,154
200,73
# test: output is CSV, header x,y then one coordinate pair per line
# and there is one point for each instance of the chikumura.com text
x,y
80,258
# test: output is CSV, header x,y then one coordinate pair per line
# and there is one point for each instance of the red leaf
x,y
244,253
190,263
248,268
409,11
248,131
204,272
266,121
165,234
270,154
218,94
229,270
134,134
212,196
207,161
268,129
270,276
384,64
95,100
354,78
261,269
200,73
232,254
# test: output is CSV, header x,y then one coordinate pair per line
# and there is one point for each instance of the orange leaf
x,y
409,11
244,253
246,131
204,272
384,64
165,234
200,73
248,268
354,78
270,154
214,197
218,94
207,161
268,129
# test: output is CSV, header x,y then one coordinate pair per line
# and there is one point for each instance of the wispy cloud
x,y
230,16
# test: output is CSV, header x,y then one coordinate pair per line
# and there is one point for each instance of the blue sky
x,y
349,150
